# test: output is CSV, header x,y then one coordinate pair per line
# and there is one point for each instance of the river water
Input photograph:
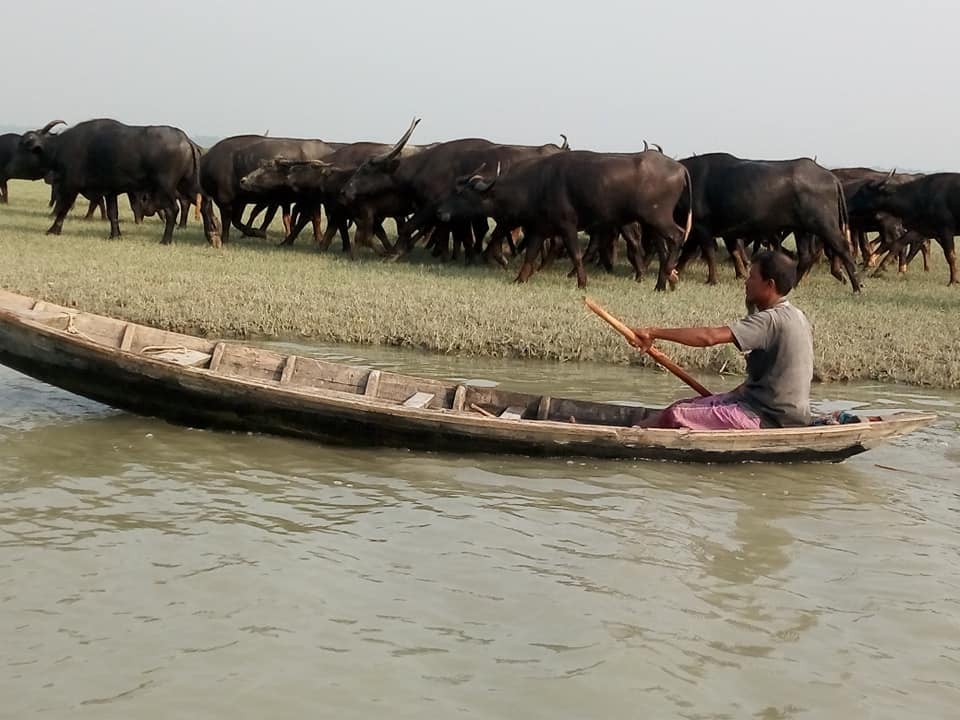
x,y
154,571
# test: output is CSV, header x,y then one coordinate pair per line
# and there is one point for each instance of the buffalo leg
x,y
569,238
463,237
950,253
226,220
633,237
210,228
893,250
668,238
738,255
113,215
271,209
534,241
184,211
170,218
330,230
709,250
64,202
316,219
4,193
868,260
837,242
296,228
381,234
441,242
804,254
493,253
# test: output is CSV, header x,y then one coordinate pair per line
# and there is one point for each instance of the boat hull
x,y
197,397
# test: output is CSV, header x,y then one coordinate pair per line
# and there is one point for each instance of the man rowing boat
x,y
779,343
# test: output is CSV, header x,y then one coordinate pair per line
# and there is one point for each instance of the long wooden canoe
x,y
203,383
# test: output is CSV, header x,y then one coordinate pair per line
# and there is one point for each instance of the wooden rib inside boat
x,y
227,385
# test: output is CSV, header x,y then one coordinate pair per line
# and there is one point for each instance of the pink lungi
x,y
714,412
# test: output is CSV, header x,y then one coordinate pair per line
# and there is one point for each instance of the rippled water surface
x,y
153,571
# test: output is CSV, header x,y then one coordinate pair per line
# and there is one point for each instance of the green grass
x,y
903,328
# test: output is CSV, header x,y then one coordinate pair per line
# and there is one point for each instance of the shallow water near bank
x,y
149,570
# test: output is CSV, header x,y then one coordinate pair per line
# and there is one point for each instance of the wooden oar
x,y
651,351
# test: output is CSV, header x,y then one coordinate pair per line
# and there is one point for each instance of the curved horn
x,y
464,180
396,149
51,125
891,174
659,149
481,185
645,146
566,145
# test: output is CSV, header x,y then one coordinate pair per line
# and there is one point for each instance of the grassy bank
x,y
902,328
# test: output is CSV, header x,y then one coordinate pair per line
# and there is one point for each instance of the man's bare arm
x,y
694,337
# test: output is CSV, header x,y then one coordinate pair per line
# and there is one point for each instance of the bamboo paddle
x,y
651,351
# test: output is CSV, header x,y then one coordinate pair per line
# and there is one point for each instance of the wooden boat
x,y
203,383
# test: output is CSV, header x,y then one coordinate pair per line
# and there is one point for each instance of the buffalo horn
x,y
645,146
467,179
566,145
396,149
481,185
50,125
659,149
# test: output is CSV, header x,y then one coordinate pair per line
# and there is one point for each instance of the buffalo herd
x,y
539,197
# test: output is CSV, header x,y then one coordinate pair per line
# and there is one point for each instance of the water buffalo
x,y
929,206
106,157
14,167
737,198
558,195
231,159
868,219
425,178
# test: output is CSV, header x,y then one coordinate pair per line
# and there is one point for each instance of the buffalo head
x,y
872,195
469,196
35,141
374,175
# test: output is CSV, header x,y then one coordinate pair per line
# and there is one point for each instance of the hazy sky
x,y
852,81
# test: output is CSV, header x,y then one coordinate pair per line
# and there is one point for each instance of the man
x,y
778,339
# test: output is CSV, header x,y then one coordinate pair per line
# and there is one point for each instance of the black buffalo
x,y
108,158
424,178
928,206
226,163
867,219
558,195
13,167
735,198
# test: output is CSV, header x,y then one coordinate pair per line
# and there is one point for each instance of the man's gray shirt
x,y
779,364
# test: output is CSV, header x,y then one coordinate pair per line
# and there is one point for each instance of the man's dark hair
x,y
777,267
